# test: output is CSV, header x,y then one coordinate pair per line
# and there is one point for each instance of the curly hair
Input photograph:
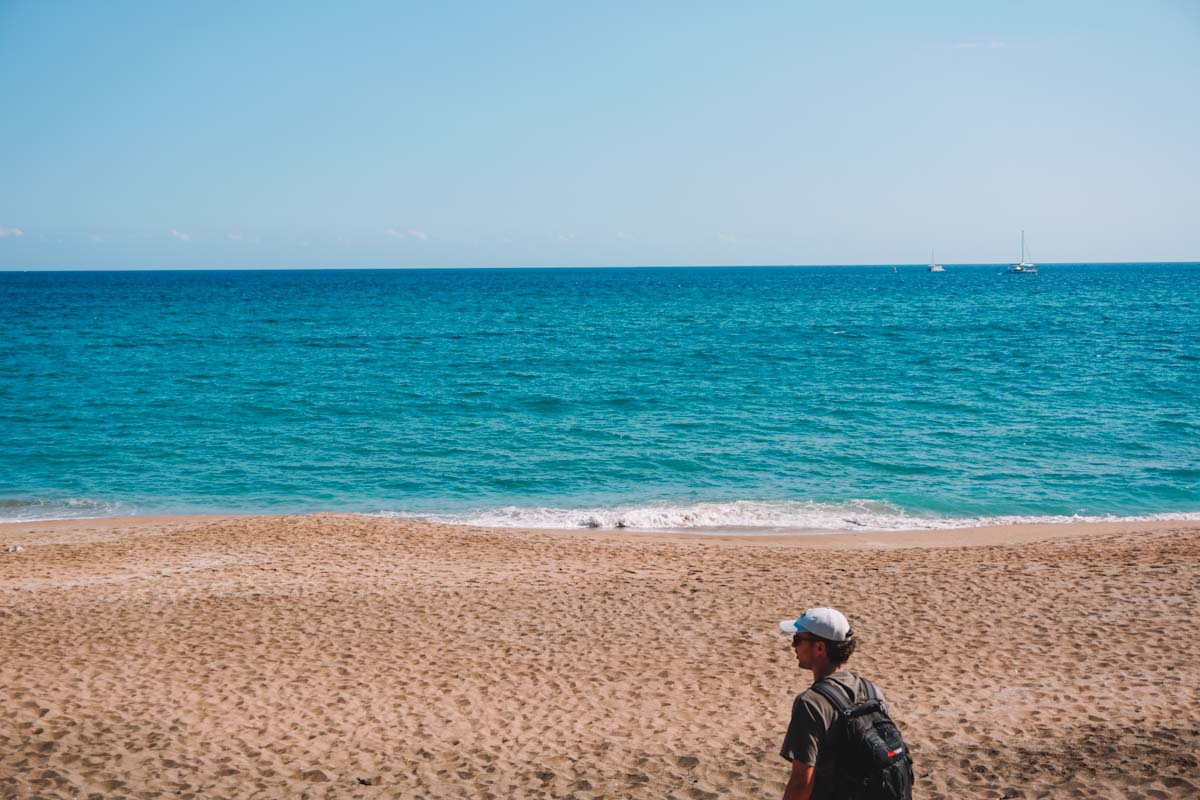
x,y
840,652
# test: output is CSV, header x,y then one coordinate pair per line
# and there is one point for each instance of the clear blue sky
x,y
213,134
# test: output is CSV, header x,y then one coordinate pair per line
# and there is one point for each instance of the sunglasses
x,y
797,639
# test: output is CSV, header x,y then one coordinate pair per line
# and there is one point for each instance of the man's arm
x,y
800,782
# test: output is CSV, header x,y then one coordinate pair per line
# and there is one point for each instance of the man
x,y
823,641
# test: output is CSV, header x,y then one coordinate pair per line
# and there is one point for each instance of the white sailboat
x,y
1025,267
933,265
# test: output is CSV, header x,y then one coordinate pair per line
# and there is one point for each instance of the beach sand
x,y
345,656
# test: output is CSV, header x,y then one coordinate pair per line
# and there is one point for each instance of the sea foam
x,y
747,517
42,509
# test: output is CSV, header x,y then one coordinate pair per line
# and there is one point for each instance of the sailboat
x,y
933,265
1025,267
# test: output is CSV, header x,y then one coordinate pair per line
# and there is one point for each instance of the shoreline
x,y
56,531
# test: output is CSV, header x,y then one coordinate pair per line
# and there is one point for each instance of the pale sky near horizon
x,y
379,134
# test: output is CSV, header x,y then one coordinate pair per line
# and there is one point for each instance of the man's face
x,y
808,649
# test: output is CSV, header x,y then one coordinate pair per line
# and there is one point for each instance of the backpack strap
x,y
842,704
850,706
873,696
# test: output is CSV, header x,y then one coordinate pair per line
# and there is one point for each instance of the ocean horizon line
x,y
882,264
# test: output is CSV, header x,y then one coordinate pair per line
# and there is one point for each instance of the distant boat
x,y
893,269
1025,267
933,265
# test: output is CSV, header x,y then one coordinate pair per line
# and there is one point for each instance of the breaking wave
x,y
36,509
746,516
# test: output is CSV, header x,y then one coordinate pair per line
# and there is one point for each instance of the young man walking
x,y
840,740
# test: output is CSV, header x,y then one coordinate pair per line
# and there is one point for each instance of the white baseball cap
x,y
828,623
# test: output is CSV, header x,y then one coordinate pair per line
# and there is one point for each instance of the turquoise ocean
x,y
806,398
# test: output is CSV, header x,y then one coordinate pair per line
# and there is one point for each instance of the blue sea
x,y
787,399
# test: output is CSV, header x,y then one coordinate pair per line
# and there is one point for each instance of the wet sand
x,y
345,656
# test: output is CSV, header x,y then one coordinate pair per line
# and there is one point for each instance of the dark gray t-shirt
x,y
808,732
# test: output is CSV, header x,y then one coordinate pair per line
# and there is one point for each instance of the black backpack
x,y
873,763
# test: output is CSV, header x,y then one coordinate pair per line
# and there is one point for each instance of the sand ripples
x,y
341,656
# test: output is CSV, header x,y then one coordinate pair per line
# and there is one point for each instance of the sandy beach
x,y
345,656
